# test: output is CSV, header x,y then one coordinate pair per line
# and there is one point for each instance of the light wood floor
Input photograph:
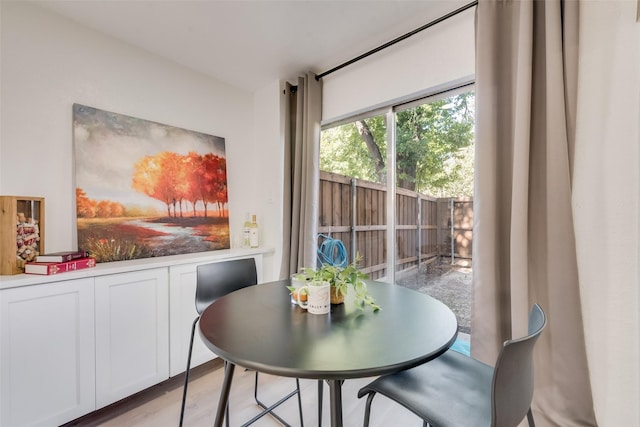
x,y
160,405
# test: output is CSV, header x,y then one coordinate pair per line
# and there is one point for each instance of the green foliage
x,y
434,149
342,150
341,279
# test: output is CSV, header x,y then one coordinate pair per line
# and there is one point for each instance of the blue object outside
x,y
461,346
332,252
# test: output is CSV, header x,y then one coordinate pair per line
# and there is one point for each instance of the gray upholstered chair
x,y
214,281
456,390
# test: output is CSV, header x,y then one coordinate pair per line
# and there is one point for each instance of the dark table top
x,y
258,328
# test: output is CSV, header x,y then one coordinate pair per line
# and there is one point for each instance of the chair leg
x,y
269,410
530,418
367,408
186,373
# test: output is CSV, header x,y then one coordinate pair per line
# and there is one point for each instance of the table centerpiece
x,y
340,280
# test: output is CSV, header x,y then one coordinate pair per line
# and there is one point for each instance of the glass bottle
x,y
246,232
253,234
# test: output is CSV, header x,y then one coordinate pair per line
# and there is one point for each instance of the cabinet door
x,y
132,333
47,353
182,312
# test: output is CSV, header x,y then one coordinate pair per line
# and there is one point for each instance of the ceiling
x,y
250,44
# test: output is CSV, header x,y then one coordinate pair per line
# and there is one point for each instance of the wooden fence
x,y
354,211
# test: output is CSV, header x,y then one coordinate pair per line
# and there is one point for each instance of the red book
x,y
49,268
61,256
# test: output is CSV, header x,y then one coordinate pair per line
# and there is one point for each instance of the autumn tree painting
x,y
88,208
175,180
144,189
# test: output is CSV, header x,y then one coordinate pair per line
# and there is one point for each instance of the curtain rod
x,y
398,39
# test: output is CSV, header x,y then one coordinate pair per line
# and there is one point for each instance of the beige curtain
x,y
606,205
524,245
301,175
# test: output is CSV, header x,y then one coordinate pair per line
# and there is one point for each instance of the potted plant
x,y
341,279
298,280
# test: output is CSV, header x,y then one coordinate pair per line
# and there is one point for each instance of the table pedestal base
x,y
224,393
335,398
335,402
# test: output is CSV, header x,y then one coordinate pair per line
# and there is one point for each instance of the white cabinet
x,y
74,343
47,353
132,333
182,312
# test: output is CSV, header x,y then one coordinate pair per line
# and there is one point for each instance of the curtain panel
x,y
606,205
524,244
303,113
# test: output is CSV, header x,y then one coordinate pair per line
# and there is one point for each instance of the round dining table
x,y
260,329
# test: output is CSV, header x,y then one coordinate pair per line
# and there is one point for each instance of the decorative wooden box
x,y
22,228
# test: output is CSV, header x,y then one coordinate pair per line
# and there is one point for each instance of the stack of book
x,y
60,262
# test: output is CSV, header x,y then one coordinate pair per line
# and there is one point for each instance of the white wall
x,y
49,62
431,58
268,159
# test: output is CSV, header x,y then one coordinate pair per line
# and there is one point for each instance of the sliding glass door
x,y
434,146
353,187
383,173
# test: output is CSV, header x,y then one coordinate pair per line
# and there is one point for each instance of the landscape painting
x,y
144,189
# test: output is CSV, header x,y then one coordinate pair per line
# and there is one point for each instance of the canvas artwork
x,y
145,189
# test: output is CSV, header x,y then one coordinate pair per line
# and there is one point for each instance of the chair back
x,y
218,279
512,386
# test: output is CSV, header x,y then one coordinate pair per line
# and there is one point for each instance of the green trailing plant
x,y
341,279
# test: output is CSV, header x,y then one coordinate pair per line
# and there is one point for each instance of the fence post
x,y
453,249
354,212
419,248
